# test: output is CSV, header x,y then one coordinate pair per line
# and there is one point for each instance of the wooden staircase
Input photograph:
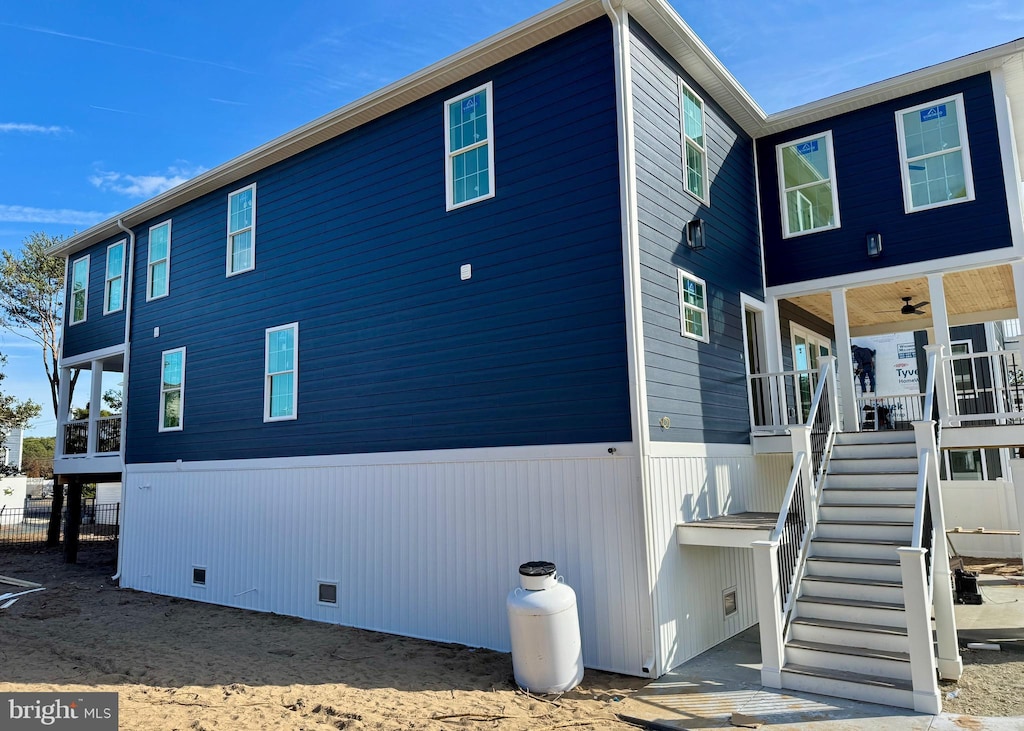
x,y
848,634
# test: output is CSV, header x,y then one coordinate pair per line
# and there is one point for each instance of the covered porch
x,y
90,407
979,387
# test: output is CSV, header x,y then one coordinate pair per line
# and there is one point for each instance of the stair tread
x,y
858,603
849,677
857,559
867,505
849,650
887,523
852,580
855,626
861,541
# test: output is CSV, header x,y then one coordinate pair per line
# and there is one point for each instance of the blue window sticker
x,y
806,148
469,105
932,113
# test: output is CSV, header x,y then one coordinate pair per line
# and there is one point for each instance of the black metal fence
x,y
28,526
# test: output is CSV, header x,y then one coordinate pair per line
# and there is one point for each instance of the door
x,y
808,348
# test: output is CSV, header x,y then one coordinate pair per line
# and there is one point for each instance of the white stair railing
x,y
779,561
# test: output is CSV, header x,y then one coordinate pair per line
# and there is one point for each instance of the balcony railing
x,y
984,388
779,400
108,436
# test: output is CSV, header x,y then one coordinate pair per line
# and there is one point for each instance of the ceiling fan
x,y
911,309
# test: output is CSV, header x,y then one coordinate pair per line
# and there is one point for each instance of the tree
x,y
14,414
37,456
31,304
32,300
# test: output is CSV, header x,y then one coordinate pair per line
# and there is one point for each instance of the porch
x,y
89,430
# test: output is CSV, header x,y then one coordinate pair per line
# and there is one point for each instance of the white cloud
x,y
67,216
143,186
32,128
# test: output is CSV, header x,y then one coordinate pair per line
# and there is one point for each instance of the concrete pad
x,y
1000,616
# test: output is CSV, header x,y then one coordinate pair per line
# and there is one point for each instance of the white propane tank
x,y
547,656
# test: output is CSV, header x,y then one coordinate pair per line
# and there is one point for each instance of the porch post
x,y
941,384
940,315
769,616
63,409
1017,268
95,403
1017,475
844,372
73,521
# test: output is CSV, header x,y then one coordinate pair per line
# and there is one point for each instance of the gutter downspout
x,y
648,619
129,295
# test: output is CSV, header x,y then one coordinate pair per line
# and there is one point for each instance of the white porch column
x,y
63,409
769,615
844,372
941,383
1017,475
95,403
940,315
1017,268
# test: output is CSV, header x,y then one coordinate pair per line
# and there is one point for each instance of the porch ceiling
x,y
975,295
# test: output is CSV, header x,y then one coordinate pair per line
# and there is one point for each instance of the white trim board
x,y
74,361
436,456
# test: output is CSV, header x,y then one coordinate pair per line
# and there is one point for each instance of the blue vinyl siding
x,y
871,194
396,352
700,386
98,331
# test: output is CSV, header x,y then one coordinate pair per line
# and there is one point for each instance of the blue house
x,y
569,294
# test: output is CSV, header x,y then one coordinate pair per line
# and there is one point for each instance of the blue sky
x,y
103,105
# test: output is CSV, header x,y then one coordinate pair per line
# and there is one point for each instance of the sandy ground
x,y
177,664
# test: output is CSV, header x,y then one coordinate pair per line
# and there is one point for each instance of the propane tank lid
x,y
537,568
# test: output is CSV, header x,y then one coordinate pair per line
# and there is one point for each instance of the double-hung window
x,y
281,392
79,290
935,161
242,230
113,284
172,390
159,268
807,185
693,308
695,156
469,147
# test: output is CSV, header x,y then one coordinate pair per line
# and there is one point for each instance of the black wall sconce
x,y
874,243
695,238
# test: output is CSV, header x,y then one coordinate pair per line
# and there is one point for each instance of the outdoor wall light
x,y
874,242
695,234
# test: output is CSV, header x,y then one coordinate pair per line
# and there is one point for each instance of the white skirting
x,y
428,549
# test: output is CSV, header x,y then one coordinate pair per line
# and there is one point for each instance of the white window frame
x,y
85,290
251,227
450,155
151,262
267,375
180,389
681,276
705,193
107,279
965,154
787,232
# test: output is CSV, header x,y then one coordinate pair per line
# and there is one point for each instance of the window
x,y
113,289
172,390
695,155
79,290
693,311
807,185
935,162
159,269
327,593
281,390
242,230
469,157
